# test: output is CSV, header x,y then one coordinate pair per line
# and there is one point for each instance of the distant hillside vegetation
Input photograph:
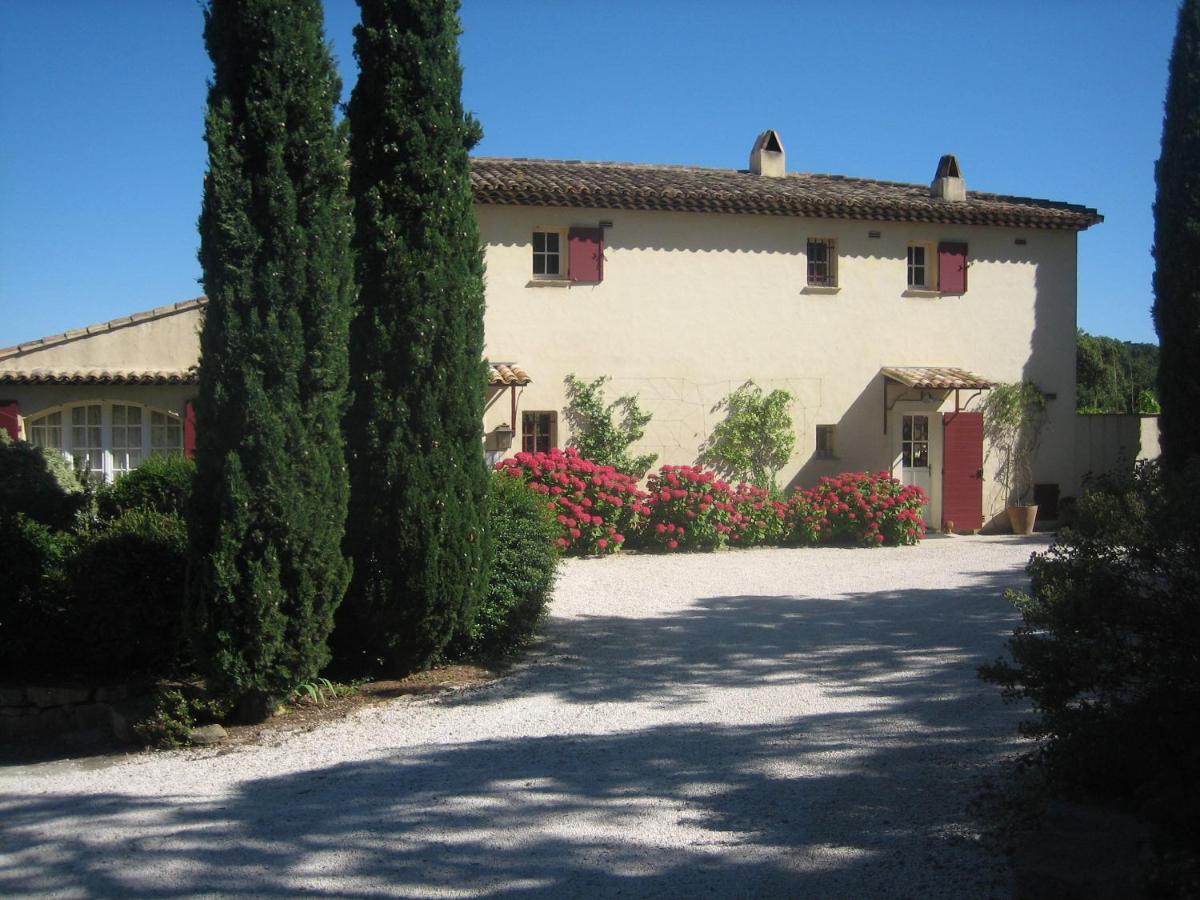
x,y
1115,376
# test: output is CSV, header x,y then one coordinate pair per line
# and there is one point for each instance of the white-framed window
x,y
822,262
921,267
107,439
46,431
548,250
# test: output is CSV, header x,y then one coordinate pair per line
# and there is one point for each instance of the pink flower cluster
x,y
690,509
596,505
865,508
757,519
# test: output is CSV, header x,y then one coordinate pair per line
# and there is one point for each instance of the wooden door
x,y
962,470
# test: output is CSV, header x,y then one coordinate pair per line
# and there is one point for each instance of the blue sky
x,y
102,104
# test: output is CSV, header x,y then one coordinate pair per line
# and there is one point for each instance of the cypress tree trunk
x,y
266,527
1177,247
417,524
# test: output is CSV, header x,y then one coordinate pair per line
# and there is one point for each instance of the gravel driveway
x,y
779,723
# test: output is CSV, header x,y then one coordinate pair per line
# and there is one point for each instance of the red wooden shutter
x,y
189,430
10,419
587,254
952,268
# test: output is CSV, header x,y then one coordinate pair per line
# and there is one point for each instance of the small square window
x,y
918,266
822,262
826,442
547,254
539,431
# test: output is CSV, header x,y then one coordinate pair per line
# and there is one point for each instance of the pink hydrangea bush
x,y
596,506
690,509
805,520
868,509
757,519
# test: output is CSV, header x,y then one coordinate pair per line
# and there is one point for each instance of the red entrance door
x,y
962,470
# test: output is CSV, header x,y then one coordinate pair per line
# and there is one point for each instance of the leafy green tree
x,y
1177,246
598,434
756,438
418,524
269,509
1114,376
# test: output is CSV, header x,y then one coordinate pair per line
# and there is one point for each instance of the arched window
x,y
107,439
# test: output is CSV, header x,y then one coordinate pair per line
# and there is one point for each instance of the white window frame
x,y
561,235
831,263
113,460
928,267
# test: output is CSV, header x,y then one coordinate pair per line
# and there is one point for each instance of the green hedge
x,y
161,483
524,564
33,621
124,589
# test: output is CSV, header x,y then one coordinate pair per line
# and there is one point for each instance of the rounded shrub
x,y
161,483
125,587
38,483
690,509
525,556
868,509
758,519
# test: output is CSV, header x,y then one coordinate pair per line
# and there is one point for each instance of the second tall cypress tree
x,y
417,526
266,522
1177,247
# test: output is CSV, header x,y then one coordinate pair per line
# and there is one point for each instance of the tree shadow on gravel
x,y
825,804
554,816
903,645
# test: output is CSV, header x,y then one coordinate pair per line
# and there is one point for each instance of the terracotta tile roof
x,y
506,374
98,376
124,321
607,185
935,377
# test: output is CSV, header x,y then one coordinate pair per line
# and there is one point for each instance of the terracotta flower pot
x,y
1022,518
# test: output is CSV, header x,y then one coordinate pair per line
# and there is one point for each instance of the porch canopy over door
x,y
900,381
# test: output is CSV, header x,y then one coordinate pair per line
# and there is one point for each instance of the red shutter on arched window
x,y
189,430
10,419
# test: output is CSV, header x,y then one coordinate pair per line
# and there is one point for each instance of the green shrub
x,y
38,483
32,619
596,432
171,723
525,559
756,438
125,587
1107,649
161,483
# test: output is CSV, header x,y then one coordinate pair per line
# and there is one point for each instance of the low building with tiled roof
x,y
887,310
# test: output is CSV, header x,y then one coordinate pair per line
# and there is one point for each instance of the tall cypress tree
x,y
417,523
271,489
1177,247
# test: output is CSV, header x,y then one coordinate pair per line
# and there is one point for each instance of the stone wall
x,y
79,712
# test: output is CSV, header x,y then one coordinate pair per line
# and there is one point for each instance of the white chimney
x,y
767,156
948,183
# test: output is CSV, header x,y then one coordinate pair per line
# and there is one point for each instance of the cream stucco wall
x,y
169,341
693,305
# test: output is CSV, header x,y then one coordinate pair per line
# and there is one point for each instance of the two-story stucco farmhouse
x,y
886,309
